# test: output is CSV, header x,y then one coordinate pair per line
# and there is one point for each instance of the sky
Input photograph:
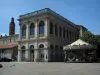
x,y
82,12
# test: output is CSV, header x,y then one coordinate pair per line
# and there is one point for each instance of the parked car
x,y
5,59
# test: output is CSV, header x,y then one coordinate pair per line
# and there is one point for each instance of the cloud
x,y
3,34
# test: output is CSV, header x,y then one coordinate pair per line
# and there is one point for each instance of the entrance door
x,y
41,52
32,53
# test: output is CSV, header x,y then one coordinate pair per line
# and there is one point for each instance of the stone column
x,y
49,55
36,52
65,56
36,55
20,32
46,29
27,53
36,29
27,31
19,53
46,56
46,52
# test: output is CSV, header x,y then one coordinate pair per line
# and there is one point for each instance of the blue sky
x,y
83,12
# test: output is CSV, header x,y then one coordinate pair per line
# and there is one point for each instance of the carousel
x,y
80,51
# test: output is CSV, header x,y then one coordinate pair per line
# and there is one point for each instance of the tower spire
x,y
12,27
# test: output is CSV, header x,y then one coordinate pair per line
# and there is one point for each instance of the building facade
x,y
42,35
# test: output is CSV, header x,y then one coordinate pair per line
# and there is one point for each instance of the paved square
x,y
37,68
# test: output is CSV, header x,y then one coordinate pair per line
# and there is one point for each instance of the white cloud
x,y
3,34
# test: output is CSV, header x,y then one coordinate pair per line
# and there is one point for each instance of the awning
x,y
8,46
79,44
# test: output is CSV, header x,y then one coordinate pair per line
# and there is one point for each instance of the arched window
x,y
32,29
41,27
24,31
32,48
23,47
56,54
52,51
51,47
51,28
41,46
23,52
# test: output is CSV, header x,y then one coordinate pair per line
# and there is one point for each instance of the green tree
x,y
97,37
89,37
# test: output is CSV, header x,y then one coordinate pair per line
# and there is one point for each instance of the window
x,y
42,55
51,28
56,47
67,34
51,53
23,48
51,46
24,31
41,27
63,32
41,46
23,52
32,29
46,56
32,48
56,54
60,31
61,48
56,30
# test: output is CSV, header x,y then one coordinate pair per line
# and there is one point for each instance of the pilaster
x,y
20,32
27,31
47,30
19,53
27,53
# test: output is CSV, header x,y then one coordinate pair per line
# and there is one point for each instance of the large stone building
x,y
42,35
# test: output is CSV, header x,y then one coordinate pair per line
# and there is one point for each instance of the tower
x,y
12,27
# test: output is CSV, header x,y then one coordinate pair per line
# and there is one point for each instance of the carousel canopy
x,y
79,44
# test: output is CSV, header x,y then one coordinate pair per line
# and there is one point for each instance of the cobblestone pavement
x,y
37,68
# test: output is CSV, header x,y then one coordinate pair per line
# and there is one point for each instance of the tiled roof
x,y
8,46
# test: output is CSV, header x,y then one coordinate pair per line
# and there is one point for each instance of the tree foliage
x,y
97,37
89,37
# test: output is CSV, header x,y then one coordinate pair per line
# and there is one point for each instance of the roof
x,y
7,46
79,44
47,10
